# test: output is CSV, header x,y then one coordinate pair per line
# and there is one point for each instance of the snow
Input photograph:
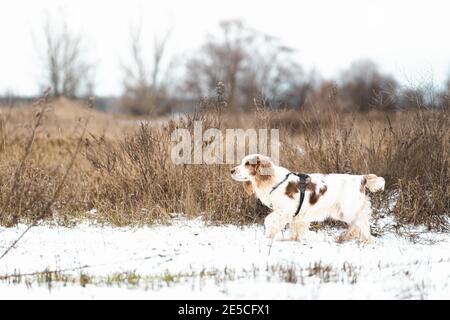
x,y
223,262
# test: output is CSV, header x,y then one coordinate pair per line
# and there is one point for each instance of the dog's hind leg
x,y
359,228
363,223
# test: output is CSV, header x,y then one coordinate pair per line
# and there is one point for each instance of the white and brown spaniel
x,y
299,199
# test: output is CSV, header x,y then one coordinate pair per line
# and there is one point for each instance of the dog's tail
x,y
373,182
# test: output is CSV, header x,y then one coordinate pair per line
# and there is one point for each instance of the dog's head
x,y
254,169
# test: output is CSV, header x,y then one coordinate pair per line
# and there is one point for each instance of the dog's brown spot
x,y
362,188
263,171
291,189
251,167
315,194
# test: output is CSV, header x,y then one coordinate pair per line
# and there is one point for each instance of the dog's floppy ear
x,y
264,166
248,187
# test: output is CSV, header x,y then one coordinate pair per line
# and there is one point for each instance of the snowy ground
x,y
190,260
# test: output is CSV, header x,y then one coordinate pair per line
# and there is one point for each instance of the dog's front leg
x,y
274,223
299,227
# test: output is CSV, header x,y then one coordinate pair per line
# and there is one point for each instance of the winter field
x,y
188,259
103,192
119,143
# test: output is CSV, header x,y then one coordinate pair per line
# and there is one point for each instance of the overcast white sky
x,y
408,38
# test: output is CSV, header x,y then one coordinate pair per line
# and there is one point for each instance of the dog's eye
x,y
247,163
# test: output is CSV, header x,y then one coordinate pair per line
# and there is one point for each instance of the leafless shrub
x,y
25,200
138,182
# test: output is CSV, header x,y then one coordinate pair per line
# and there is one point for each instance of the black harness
x,y
302,186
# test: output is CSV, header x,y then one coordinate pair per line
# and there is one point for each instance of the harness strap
x,y
302,186
280,183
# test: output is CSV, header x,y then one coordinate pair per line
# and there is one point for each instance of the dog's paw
x,y
366,241
339,239
295,236
270,232
344,237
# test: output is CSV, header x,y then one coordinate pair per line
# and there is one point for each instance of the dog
x,y
299,199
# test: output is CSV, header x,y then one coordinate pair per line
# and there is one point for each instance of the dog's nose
x,y
233,171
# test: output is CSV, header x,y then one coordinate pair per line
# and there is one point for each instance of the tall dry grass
x,y
124,169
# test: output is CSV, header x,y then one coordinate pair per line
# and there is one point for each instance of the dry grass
x,y
124,170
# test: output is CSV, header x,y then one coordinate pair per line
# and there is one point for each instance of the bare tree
x,y
144,87
68,72
364,86
247,61
220,59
